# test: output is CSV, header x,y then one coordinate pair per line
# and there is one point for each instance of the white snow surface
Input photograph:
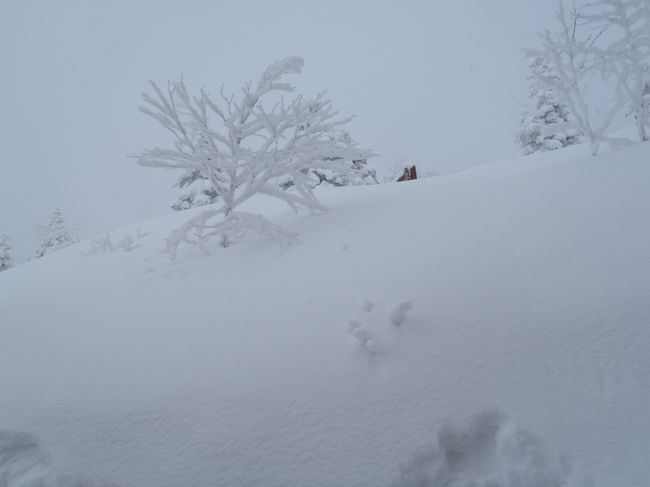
x,y
531,279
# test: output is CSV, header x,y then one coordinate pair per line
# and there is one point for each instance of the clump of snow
x,y
398,311
353,325
491,452
367,305
362,334
372,346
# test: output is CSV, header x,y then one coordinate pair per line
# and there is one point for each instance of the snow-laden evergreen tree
x,y
624,38
6,252
195,186
546,126
358,171
246,146
198,190
195,190
55,236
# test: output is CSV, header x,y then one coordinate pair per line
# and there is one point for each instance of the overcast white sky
x,y
437,82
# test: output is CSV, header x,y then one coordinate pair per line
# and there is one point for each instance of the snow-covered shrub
x,y
196,190
358,173
55,235
491,453
246,146
103,244
127,243
546,126
6,252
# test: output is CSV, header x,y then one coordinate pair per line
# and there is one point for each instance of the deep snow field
x,y
257,365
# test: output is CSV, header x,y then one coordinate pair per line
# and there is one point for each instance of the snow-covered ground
x,y
521,287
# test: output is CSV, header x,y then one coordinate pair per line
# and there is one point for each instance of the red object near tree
x,y
409,174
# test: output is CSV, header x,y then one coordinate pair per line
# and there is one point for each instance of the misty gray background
x,y
440,83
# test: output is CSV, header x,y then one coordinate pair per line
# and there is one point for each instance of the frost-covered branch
x,y
626,55
606,38
242,147
573,59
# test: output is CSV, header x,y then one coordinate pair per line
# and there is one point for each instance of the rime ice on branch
x,y
609,39
245,146
625,56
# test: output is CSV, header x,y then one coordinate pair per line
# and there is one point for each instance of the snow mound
x,y
398,311
260,365
491,452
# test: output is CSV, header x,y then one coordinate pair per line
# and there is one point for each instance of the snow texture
x,y
531,284
398,311
367,305
491,452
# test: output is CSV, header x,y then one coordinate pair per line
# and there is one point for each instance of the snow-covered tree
x,y
195,190
55,235
198,190
358,172
574,57
546,125
6,252
245,146
625,52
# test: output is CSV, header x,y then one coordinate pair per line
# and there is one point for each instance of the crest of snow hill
x,y
229,148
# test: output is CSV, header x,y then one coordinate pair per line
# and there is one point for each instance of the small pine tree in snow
x,y
545,127
196,190
55,236
358,172
246,147
6,252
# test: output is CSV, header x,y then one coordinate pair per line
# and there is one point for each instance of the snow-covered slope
x,y
530,289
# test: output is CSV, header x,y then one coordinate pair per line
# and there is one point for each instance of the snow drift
x,y
529,282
